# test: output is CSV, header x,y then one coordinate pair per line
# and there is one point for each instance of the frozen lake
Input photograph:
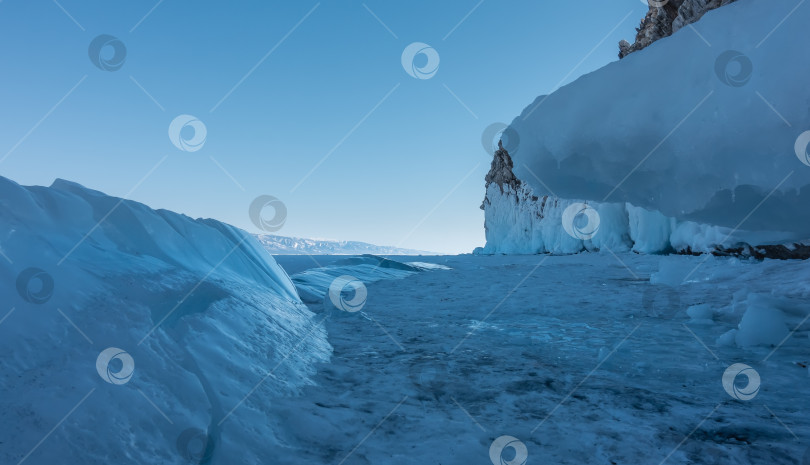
x,y
578,358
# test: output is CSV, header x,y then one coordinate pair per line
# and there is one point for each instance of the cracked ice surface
x,y
564,353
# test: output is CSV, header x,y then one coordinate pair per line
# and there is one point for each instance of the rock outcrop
x,y
665,18
516,221
500,172
683,200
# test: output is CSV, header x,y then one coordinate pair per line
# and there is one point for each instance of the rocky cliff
x,y
666,17
500,171
519,222
602,165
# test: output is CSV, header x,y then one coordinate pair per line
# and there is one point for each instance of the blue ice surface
x,y
312,275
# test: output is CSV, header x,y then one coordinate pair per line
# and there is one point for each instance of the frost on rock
x,y
517,221
665,18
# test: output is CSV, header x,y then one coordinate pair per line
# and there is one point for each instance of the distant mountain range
x,y
281,245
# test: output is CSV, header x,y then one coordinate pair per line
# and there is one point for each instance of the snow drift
x,y
688,143
145,336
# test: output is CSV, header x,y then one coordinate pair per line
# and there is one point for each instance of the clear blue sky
x,y
411,174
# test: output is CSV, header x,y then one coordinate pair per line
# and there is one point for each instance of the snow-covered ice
x,y
313,284
136,336
200,329
569,355
162,339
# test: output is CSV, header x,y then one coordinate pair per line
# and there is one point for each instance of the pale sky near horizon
x,y
308,102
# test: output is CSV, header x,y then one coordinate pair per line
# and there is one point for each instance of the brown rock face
x,y
500,172
794,251
666,17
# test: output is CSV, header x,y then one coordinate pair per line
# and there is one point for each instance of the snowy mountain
x,y
144,335
282,245
694,144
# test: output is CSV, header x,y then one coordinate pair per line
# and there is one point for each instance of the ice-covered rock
x,y
665,18
517,221
693,145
